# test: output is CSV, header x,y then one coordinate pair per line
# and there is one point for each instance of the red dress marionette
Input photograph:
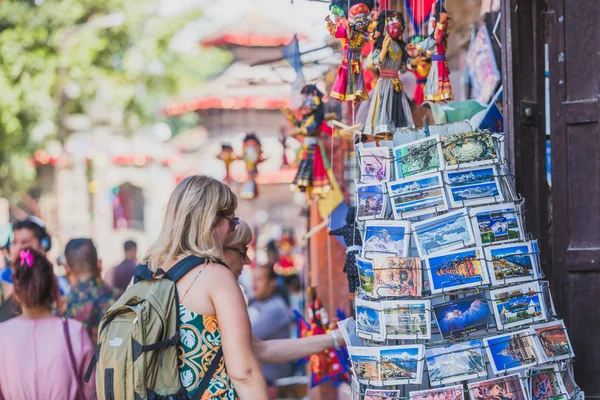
x,y
311,177
252,156
435,46
285,264
421,72
353,33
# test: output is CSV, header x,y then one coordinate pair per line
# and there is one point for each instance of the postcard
x,y
496,224
374,394
548,302
419,157
407,319
412,197
391,237
402,365
511,352
566,375
447,393
368,320
511,263
508,387
365,363
455,363
447,232
371,200
374,164
347,328
468,149
518,305
398,276
455,270
463,316
476,186
546,384
365,275
553,341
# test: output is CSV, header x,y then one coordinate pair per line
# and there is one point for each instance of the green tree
x,y
55,54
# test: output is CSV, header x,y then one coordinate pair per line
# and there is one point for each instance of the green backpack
x,y
136,355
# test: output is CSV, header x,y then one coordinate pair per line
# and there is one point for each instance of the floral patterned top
x,y
200,341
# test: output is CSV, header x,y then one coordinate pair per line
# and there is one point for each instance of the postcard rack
x,y
481,288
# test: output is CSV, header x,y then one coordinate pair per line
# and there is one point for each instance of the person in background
x,y
296,294
273,351
120,276
30,232
42,357
90,296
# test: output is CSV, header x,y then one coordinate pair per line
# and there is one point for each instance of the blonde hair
x,y
189,219
241,236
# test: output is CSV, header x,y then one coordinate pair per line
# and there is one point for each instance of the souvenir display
x,y
353,33
389,108
438,86
353,242
252,156
312,176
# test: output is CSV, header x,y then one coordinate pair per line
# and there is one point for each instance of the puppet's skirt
x,y
349,84
312,175
438,86
389,109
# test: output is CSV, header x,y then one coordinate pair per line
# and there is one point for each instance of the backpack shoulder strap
x,y
143,273
210,372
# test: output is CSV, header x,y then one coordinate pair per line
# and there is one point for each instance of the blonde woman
x,y
198,218
280,350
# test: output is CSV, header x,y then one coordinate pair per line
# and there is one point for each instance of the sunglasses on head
x,y
233,222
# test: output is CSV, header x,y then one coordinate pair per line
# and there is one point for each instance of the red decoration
x,y
230,103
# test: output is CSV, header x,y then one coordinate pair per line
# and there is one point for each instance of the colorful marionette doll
x,y
353,33
312,177
228,157
389,106
331,364
353,242
438,86
252,156
285,265
421,72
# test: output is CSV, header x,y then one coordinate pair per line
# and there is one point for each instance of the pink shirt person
x,y
35,363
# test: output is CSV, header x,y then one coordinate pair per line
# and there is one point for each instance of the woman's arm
x,y
236,337
286,350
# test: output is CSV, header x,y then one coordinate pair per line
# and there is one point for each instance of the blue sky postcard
x,y
381,237
518,305
497,223
468,149
407,319
447,232
511,352
402,365
371,200
463,316
455,270
365,275
417,196
446,393
511,263
374,164
365,364
507,387
455,363
476,186
368,320
420,157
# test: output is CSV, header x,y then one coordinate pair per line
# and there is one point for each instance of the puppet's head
x,y
350,215
395,25
252,148
437,9
342,6
312,99
358,17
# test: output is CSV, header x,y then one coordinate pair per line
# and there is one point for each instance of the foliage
x,y
55,55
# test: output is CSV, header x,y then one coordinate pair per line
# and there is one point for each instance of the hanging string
x,y
329,254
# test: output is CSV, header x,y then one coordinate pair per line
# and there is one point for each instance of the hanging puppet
x,y
353,242
252,156
389,107
421,71
353,33
285,264
435,46
312,177
227,156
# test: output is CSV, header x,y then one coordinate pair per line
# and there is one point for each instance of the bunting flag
x,y
418,13
335,198
291,53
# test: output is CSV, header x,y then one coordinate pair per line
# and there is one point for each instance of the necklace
x,y
394,55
